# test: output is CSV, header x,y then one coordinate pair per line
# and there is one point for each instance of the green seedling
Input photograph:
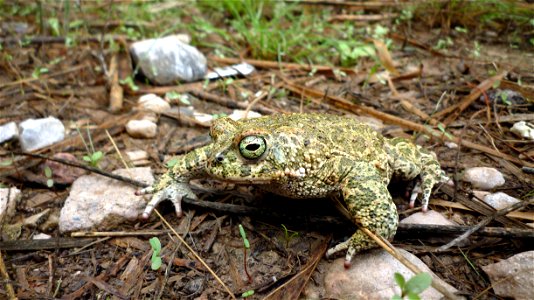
x,y
412,288
246,245
247,294
93,157
129,81
289,235
156,250
38,72
48,175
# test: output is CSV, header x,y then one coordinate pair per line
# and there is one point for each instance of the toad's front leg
x,y
369,202
174,185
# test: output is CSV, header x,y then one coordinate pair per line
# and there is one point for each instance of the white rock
x,y
39,133
8,202
513,277
430,217
500,200
98,202
524,130
242,69
451,145
168,60
8,131
153,103
371,277
239,114
137,155
141,128
42,236
484,178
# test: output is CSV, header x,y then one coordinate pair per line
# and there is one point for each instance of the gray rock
x,y
154,103
371,277
500,200
141,128
513,277
8,131
524,130
39,133
168,60
8,202
430,217
484,178
99,202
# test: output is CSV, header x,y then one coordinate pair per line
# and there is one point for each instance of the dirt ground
x,y
433,97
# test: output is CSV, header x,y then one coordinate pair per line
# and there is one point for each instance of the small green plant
x,y
129,81
412,288
247,294
48,175
156,250
246,245
93,157
289,235
39,71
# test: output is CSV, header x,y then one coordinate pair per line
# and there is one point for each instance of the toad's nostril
x,y
219,157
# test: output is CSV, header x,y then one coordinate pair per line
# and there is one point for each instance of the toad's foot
x,y
174,191
424,186
358,242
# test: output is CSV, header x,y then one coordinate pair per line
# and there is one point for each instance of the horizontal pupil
x,y
252,147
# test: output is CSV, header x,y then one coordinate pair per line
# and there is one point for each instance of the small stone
x,y
138,157
371,277
430,217
42,236
8,131
451,145
524,130
168,60
8,202
484,178
512,277
153,103
242,69
39,133
500,200
99,202
239,114
141,128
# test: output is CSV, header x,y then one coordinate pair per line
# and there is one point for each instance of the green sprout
x,y
412,288
247,294
289,235
48,175
156,250
246,245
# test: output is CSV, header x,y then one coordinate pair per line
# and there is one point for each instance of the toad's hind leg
x,y
371,206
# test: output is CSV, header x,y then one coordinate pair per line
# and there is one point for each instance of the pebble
x,y
153,103
430,217
8,132
138,157
524,130
8,204
98,202
39,133
512,277
42,236
239,114
484,178
141,129
167,60
500,200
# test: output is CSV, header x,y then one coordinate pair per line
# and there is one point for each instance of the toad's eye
x,y
252,147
